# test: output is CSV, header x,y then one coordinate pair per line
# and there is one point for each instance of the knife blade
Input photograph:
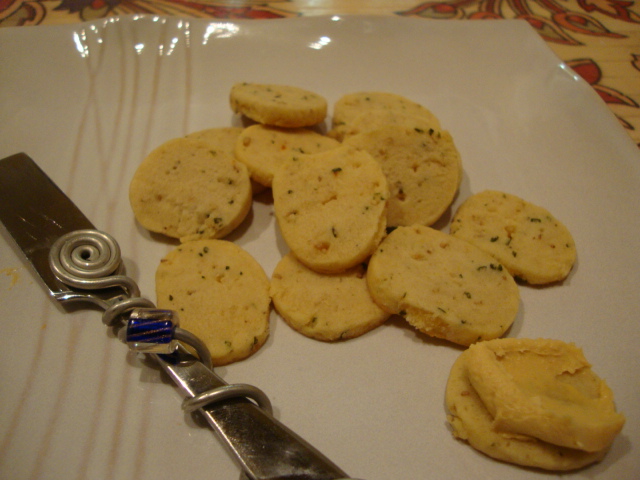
x,y
40,218
36,213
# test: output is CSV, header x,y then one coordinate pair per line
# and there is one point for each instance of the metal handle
x,y
265,448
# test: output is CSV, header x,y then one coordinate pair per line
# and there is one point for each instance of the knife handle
x,y
264,447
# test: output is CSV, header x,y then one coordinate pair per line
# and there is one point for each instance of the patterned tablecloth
x,y
599,39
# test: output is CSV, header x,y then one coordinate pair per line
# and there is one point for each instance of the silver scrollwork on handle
x,y
89,260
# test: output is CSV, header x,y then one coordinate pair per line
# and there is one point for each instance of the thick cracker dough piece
x,y
422,167
443,286
221,295
263,149
525,238
471,421
278,105
188,190
544,389
331,207
353,108
326,307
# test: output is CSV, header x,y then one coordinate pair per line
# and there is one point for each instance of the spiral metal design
x,y
88,259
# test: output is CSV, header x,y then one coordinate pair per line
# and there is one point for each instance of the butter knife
x,y
78,263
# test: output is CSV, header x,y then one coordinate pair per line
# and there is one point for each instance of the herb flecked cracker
x,y
527,239
423,170
331,207
221,294
278,105
443,286
356,112
188,190
223,140
263,149
326,307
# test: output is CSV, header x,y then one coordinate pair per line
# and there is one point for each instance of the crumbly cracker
x,y
188,190
351,110
423,170
443,286
331,207
264,149
326,307
278,105
221,295
527,239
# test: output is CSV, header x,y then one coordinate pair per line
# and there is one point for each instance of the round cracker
x,y
375,118
353,108
422,167
221,295
220,138
331,207
278,105
188,190
322,306
527,239
263,149
472,422
443,286
224,139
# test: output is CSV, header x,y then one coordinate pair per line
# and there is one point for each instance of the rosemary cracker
x,y
264,149
326,307
278,105
422,167
331,207
360,111
527,239
223,140
221,294
443,286
186,189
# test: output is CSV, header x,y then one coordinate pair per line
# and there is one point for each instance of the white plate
x,y
88,101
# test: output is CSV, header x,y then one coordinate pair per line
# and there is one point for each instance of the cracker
x,y
443,286
527,239
331,207
423,170
471,422
221,295
278,105
375,118
322,306
264,149
186,189
224,139
357,111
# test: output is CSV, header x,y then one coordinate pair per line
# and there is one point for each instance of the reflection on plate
x,y
76,404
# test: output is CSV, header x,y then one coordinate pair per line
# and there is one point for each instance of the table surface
x,y
599,39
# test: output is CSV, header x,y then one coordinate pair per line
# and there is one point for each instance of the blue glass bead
x,y
151,330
